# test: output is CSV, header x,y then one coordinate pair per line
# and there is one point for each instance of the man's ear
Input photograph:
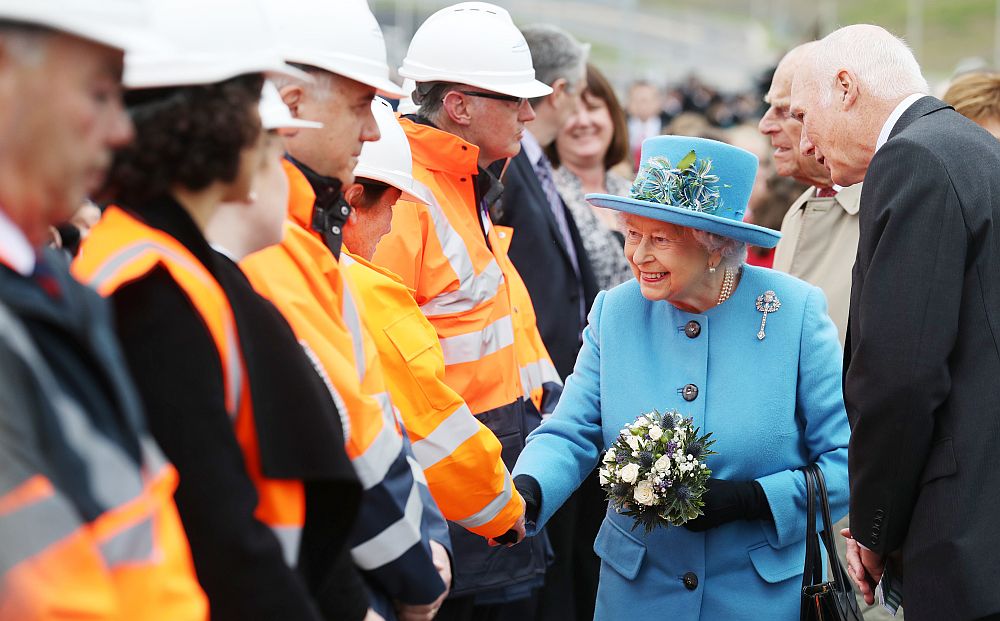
x,y
352,194
846,88
456,106
560,89
294,96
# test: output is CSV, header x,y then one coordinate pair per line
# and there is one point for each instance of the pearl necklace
x,y
728,280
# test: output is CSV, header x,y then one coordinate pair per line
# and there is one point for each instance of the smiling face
x,y
669,264
785,132
587,135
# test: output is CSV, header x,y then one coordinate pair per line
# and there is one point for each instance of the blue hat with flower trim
x,y
694,182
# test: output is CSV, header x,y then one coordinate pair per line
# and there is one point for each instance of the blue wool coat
x,y
773,405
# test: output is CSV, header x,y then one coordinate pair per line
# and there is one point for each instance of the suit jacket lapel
x,y
523,167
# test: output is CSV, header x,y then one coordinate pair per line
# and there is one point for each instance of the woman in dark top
x,y
279,450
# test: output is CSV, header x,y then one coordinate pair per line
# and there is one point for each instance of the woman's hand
x,y
728,501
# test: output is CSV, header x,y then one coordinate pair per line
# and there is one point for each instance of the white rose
x,y
643,493
633,442
629,473
609,457
642,421
603,475
655,433
662,464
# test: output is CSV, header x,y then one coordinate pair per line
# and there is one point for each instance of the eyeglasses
x,y
498,96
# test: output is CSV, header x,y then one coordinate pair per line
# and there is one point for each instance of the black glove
x,y
531,492
728,501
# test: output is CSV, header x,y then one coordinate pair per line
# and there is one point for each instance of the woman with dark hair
x,y
267,494
589,146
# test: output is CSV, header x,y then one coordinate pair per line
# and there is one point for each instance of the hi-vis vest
x,y
459,455
130,563
301,277
462,281
539,378
120,250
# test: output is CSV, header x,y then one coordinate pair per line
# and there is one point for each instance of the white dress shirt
x,y
890,122
15,250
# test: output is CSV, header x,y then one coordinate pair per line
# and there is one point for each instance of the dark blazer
x,y
922,382
541,258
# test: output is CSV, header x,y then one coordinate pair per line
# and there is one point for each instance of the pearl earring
x,y
711,269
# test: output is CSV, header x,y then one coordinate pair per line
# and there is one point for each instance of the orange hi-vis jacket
x,y
131,563
303,279
460,456
539,378
122,249
440,252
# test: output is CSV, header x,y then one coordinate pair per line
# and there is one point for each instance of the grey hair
x,y
429,96
734,252
27,43
884,64
322,87
555,54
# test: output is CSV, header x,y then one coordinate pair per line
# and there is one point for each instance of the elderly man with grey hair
x,y
922,355
547,251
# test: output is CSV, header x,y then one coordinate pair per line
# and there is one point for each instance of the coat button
x,y
690,581
345,210
335,230
689,392
692,329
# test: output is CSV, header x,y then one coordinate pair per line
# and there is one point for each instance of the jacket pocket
x,y
414,339
620,550
778,564
940,461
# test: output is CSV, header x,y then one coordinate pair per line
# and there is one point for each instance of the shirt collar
x,y
890,122
15,249
532,148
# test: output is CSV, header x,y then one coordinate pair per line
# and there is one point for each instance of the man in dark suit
x,y
548,254
922,355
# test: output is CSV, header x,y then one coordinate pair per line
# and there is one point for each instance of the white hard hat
x,y
121,24
206,42
474,43
274,114
406,105
341,37
388,159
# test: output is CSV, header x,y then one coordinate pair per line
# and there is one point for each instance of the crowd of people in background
x,y
275,346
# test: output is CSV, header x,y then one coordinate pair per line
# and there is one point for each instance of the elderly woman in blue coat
x,y
749,353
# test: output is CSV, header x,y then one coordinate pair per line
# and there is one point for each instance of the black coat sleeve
x,y
904,324
177,370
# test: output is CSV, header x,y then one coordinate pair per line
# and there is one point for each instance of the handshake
x,y
531,494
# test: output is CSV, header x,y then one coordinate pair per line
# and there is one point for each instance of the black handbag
x,y
823,600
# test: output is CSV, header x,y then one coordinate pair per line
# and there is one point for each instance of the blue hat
x,y
694,182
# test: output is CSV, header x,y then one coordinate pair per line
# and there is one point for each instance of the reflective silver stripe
x,y
535,374
492,509
289,537
418,473
472,290
395,539
345,420
353,321
29,530
233,370
446,437
130,545
111,474
474,346
372,465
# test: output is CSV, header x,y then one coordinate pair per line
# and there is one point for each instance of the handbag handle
x,y
839,574
813,570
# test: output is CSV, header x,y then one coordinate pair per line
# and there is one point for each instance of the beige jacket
x,y
819,240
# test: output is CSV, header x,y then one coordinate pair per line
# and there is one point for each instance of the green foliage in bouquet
x,y
655,470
